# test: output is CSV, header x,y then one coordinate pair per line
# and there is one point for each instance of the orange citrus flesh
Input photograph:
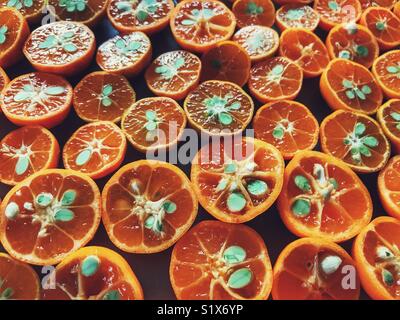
x,y
377,256
306,49
237,179
380,3
335,12
396,9
314,269
353,42
258,41
63,47
389,187
389,118
153,123
356,139
197,25
95,149
386,70
274,79
287,125
147,206
37,99
220,261
49,215
94,273
125,54
89,12
219,108
148,16
14,31
25,151
384,25
227,61
102,96
18,281
350,86
173,74
32,11
254,12
323,197
297,15
4,79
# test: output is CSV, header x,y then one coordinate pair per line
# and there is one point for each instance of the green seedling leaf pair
x,y
197,15
19,4
28,92
169,71
220,108
360,145
73,5
354,91
64,41
253,9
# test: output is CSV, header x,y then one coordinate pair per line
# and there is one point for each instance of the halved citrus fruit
x,y
350,86
88,12
258,41
377,3
221,261
154,123
219,108
95,149
376,253
306,49
197,25
386,69
4,79
148,16
254,12
336,12
312,269
94,273
297,15
389,117
283,2
173,74
126,54
31,10
62,47
18,281
356,139
103,96
323,197
353,42
49,215
287,125
25,151
37,99
384,25
389,187
14,30
237,179
147,206
274,79
227,61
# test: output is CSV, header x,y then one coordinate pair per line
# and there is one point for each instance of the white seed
x,y
12,210
330,264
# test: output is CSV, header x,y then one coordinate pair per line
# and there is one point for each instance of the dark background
x,y
152,269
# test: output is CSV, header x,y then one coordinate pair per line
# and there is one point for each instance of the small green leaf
x,y
301,207
333,5
387,277
70,47
234,254
169,206
188,22
120,44
54,91
12,3
370,141
124,6
395,116
278,132
106,101
365,151
380,25
253,9
362,51
230,168
133,45
347,84
23,95
302,183
12,210
22,165
90,265
344,54
393,69
366,89
44,199
330,264
277,70
350,94
222,184
149,222
151,125
64,215
294,14
225,118
236,202
334,183
112,295
3,29
141,15
107,90
257,187
235,106
68,197
359,129
360,95
83,157
7,293
49,42
240,278
179,62
151,115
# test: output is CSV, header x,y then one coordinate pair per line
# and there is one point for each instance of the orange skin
x,y
149,29
289,253
372,126
333,100
385,229
20,277
13,53
54,257
108,217
107,168
391,92
32,14
282,25
48,121
4,79
202,254
297,226
396,9
118,268
383,112
243,19
67,69
192,45
390,173
53,153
